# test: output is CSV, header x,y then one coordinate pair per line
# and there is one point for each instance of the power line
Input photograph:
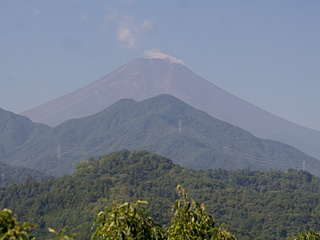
x,y
266,162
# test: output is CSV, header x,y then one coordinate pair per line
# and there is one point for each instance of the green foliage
x,y
11,229
126,221
252,204
309,235
61,235
191,221
129,221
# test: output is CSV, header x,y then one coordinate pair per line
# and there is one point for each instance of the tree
x,y
126,221
309,235
191,221
129,221
11,229
62,235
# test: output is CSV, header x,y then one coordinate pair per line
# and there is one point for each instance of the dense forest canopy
x,y
129,221
251,204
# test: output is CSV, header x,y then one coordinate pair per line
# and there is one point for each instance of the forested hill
x,y
252,204
163,125
10,174
16,130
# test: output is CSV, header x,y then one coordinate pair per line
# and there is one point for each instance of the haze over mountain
x,y
144,78
164,125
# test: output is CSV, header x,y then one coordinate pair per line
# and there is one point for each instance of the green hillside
x,y
15,131
251,204
163,125
10,175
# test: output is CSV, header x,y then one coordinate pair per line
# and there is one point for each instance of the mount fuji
x,y
143,78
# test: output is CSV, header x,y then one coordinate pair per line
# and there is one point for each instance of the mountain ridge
x,y
164,125
144,78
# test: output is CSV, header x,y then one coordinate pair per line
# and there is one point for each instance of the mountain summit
x,y
139,79
144,78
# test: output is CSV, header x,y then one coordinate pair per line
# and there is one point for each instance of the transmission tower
x,y
59,151
3,183
179,125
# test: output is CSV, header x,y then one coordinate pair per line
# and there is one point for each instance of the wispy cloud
x,y
155,53
128,32
148,25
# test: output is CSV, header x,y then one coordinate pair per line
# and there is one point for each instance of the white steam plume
x,y
155,53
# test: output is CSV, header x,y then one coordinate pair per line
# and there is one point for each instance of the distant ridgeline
x,y
163,125
251,204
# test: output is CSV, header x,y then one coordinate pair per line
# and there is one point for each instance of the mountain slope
x,y
10,175
253,205
144,78
16,130
164,125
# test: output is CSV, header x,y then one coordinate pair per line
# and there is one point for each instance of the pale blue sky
x,y
266,52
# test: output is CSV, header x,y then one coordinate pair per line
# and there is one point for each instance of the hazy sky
x,y
266,52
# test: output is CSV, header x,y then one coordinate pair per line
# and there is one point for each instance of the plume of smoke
x,y
155,53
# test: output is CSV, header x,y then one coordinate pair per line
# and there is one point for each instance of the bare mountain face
x,y
144,78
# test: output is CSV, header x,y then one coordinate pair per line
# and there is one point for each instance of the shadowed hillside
x,y
163,125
